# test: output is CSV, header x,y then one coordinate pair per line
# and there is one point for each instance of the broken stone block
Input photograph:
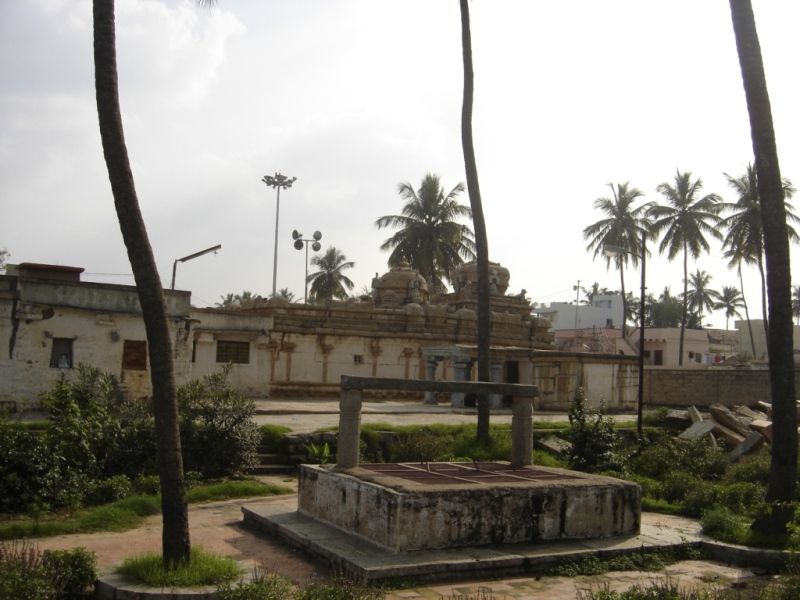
x,y
765,406
764,427
552,444
677,417
694,415
697,431
750,443
748,413
732,438
722,415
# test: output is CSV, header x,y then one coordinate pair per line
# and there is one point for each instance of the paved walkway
x,y
216,526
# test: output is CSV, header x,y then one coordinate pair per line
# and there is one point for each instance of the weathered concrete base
x,y
427,511
369,562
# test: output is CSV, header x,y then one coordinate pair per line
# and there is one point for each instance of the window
x,y
134,355
658,357
61,355
358,359
233,352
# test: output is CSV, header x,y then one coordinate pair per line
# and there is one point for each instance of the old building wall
x,y
676,387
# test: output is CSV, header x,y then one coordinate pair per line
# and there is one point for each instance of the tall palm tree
x,y
330,281
744,239
782,487
175,529
746,310
622,227
685,220
429,237
481,240
730,300
700,296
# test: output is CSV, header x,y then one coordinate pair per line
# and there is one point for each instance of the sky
x,y
353,97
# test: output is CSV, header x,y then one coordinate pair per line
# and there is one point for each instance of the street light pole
x,y
577,289
299,242
190,257
277,181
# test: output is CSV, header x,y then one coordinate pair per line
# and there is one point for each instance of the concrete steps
x,y
271,464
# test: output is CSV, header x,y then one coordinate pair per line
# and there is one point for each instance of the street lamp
x,y
613,251
190,257
299,242
277,181
577,289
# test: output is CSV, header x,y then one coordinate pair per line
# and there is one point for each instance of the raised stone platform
x,y
430,506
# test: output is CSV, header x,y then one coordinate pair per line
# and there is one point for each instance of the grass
x,y
127,513
203,568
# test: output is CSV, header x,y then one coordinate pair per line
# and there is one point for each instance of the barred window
x,y
61,354
358,359
233,352
134,355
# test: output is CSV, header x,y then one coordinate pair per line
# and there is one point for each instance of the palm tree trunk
x,y
764,298
685,302
746,311
175,530
479,226
782,488
624,299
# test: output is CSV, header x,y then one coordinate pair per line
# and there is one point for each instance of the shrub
x,y
677,485
667,454
108,490
592,435
147,484
218,434
71,571
753,468
721,523
264,586
28,574
743,497
420,445
700,498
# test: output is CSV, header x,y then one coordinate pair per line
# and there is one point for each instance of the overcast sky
x,y
353,97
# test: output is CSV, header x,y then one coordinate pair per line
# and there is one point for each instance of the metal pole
x,y
577,295
305,296
640,404
275,258
174,268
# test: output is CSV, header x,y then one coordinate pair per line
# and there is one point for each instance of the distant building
x,y
758,339
605,312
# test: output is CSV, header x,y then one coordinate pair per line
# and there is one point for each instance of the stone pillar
x,y
349,429
430,375
521,432
496,400
460,369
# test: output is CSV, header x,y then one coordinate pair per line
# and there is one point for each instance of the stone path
x,y
216,526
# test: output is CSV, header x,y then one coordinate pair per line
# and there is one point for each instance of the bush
x,y
71,570
264,586
28,574
667,454
218,434
753,468
338,589
419,445
108,490
700,499
677,486
592,435
721,523
149,485
743,497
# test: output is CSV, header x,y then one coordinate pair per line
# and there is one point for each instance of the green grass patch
x,y
203,568
272,437
641,561
545,459
129,512
236,488
117,516
659,505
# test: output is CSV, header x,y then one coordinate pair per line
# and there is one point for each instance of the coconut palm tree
x,y
481,241
744,239
285,294
685,220
429,237
330,281
622,226
700,296
730,300
175,529
782,486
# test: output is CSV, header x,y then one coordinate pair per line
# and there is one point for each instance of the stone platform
x,y
429,506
